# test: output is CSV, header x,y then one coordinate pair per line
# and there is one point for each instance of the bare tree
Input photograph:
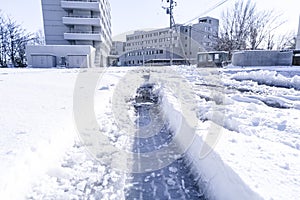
x,y
244,27
3,34
270,41
287,41
235,26
263,24
38,38
13,39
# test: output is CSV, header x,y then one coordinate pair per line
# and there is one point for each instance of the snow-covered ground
x,y
254,115
259,136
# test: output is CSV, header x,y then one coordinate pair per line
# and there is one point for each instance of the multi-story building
x,y
298,37
184,41
118,48
77,23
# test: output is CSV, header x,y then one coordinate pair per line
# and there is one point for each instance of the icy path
x,y
174,181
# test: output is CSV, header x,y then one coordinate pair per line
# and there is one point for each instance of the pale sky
x,y
128,15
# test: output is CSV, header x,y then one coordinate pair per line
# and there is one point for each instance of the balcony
x,y
92,5
81,20
91,36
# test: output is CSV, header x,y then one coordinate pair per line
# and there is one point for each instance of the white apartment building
x,y
298,37
77,23
187,41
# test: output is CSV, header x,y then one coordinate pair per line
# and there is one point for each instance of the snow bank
x,y
259,138
218,179
271,78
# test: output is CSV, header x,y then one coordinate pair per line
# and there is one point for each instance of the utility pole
x,y
169,11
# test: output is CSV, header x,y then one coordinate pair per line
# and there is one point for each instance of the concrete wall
x,y
262,58
61,54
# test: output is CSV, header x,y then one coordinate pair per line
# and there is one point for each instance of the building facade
x,y
77,23
298,37
118,48
182,43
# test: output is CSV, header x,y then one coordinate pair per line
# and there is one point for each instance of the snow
x,y
258,132
36,125
271,78
246,123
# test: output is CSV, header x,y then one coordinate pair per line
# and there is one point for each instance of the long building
x,y
75,23
181,44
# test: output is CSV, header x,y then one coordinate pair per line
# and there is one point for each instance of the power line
x,y
172,4
169,11
207,11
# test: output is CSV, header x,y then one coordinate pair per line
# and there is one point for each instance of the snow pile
x,y
257,130
79,176
218,180
271,78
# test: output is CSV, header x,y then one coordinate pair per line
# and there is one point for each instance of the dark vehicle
x,y
212,59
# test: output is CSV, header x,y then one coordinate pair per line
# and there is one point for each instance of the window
x,y
217,56
202,58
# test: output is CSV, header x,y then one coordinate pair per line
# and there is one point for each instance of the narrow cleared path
x,y
174,181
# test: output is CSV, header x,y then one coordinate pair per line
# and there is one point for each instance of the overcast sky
x,y
140,14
